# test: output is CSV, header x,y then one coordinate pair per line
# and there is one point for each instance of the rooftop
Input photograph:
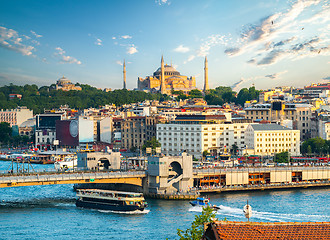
x,y
257,230
268,127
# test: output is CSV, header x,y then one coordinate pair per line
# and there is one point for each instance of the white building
x,y
267,139
200,133
16,116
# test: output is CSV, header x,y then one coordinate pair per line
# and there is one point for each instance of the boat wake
x,y
236,214
145,211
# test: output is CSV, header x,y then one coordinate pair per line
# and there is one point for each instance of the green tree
x,y
234,149
152,143
281,157
196,231
5,133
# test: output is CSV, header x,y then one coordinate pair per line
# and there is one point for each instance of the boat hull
x,y
108,206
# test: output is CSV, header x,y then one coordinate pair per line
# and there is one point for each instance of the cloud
x,y
119,63
98,42
64,58
36,35
264,32
114,38
10,39
326,78
132,49
126,37
19,78
211,41
162,2
237,86
181,49
276,75
190,58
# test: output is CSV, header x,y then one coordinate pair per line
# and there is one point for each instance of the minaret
x,y
162,79
206,77
124,75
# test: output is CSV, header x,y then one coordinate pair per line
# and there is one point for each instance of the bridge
x,y
51,178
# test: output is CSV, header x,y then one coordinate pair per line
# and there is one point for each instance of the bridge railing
x,y
58,176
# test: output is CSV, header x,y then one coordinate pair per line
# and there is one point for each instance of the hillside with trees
x,y
47,97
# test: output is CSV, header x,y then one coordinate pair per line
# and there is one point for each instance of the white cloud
x,y
162,2
114,38
276,75
11,40
211,41
181,49
132,49
119,63
64,58
190,58
36,35
98,42
237,86
126,37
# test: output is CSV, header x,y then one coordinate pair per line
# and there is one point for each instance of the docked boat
x,y
203,202
68,163
110,200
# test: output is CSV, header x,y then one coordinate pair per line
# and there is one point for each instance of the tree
x,y
5,132
205,153
197,227
281,157
152,143
234,149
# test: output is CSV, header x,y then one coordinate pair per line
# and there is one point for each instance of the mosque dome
x,y
168,71
63,81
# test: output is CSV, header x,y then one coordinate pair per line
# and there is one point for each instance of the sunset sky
x,y
265,43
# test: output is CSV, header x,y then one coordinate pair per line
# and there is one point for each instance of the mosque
x,y
166,78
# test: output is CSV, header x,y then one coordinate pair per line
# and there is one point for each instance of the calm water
x,y
49,212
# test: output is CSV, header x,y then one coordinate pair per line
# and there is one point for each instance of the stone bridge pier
x,y
170,174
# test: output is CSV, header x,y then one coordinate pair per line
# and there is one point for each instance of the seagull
x,y
302,28
319,51
272,22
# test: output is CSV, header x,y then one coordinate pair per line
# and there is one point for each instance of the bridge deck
x,y
134,177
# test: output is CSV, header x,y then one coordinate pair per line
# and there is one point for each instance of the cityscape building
x,y
15,116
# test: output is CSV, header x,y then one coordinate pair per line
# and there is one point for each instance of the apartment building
x,y
267,139
300,115
16,116
197,133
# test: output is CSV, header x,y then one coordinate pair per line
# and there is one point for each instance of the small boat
x,y
68,163
110,200
203,202
247,210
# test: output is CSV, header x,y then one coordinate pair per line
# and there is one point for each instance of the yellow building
x,y
173,80
66,85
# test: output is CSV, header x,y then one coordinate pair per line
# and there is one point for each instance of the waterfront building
x,y
267,139
136,131
46,129
277,111
89,160
197,133
169,77
65,85
16,116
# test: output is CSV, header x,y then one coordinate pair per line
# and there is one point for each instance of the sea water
x,y
49,212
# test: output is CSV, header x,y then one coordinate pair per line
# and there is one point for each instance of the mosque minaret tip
x,y
124,75
162,80
206,77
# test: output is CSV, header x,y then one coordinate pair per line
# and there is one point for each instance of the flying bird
x,y
302,28
319,51
272,22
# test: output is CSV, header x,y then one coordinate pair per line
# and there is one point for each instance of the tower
x,y
124,75
206,77
162,80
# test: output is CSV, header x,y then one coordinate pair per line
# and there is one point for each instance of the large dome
x,y
168,71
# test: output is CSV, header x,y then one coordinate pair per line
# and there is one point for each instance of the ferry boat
x,y
110,200
68,163
203,202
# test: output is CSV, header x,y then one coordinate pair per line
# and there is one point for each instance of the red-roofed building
x,y
220,230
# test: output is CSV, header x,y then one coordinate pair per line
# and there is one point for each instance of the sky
x,y
256,42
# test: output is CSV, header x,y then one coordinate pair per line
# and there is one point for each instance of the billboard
x,y
105,130
86,130
67,132
47,121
